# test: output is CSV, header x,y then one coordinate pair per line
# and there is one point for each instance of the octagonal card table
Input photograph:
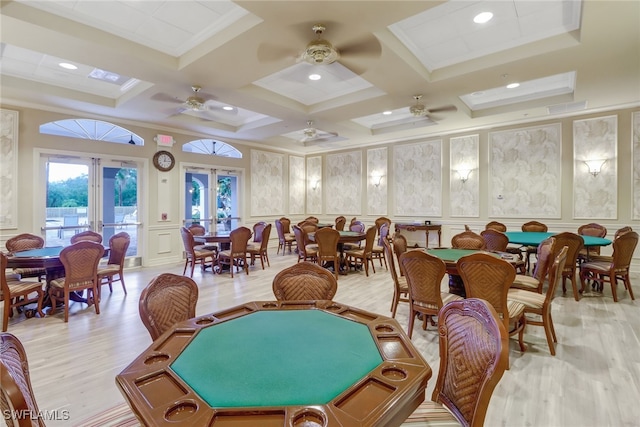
x,y
296,363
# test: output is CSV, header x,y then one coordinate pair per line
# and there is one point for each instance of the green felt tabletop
x,y
52,251
453,255
534,238
277,358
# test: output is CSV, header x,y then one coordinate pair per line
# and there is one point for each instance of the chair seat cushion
x,y
446,297
109,269
29,272
377,249
17,288
204,253
515,308
431,414
59,283
253,246
602,266
355,252
403,285
531,300
525,282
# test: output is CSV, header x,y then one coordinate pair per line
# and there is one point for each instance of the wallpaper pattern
x,y
314,185
595,197
8,169
344,183
635,170
377,181
525,172
418,179
296,185
464,196
267,183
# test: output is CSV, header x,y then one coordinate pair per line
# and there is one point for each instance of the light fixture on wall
x,y
464,174
595,165
316,184
376,180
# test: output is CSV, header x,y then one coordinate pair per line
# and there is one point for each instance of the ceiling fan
x,y
322,52
420,110
312,134
198,102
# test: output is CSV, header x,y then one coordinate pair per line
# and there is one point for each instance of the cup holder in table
x,y
181,411
334,307
270,305
156,358
394,373
309,417
205,321
384,328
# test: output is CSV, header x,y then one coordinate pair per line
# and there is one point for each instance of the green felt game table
x,y
301,363
534,238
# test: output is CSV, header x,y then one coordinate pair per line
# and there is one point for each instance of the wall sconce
x,y
464,174
376,180
595,166
315,185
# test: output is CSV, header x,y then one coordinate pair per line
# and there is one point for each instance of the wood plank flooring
x,y
594,380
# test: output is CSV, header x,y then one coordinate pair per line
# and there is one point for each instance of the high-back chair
x,y
467,240
327,239
199,230
80,262
540,304
312,219
305,252
497,241
575,243
424,273
601,272
495,225
260,249
236,255
595,230
195,255
474,353
284,239
257,231
358,227
304,281
25,242
377,252
363,255
114,270
16,393
16,293
532,226
546,250
340,223
400,286
400,246
488,277
619,232
167,299
87,235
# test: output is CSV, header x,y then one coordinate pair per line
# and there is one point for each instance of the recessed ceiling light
x,y
483,17
228,108
513,85
315,76
67,66
386,113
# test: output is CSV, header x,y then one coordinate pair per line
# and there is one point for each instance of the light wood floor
x,y
593,381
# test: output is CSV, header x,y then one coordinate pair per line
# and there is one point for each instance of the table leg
x,y
456,285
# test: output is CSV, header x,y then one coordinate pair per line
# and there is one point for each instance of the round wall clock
x,y
164,161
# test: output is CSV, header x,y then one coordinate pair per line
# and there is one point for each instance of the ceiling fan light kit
x,y
320,51
418,109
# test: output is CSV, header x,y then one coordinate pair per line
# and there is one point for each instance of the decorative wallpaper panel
x,y
418,179
377,181
525,172
344,183
635,169
8,169
314,185
464,183
267,183
296,185
595,197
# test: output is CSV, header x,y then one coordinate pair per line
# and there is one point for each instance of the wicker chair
x,y
539,304
467,240
488,277
284,239
609,258
424,273
193,255
305,252
16,393
474,353
88,235
400,246
261,249
601,272
575,244
25,242
167,300
16,293
400,286
535,283
199,230
377,252
363,255
595,230
114,270
495,225
340,223
237,254
532,226
497,241
312,219
327,239
80,262
304,281
358,227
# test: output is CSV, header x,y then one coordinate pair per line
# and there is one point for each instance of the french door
x,y
82,193
212,198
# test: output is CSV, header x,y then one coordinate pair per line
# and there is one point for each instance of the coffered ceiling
x,y
241,65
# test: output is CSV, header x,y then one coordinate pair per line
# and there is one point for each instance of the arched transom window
x,y
212,147
96,130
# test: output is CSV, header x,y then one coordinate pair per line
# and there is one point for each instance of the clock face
x,y
164,161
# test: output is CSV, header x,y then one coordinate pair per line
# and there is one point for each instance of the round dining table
x,y
534,238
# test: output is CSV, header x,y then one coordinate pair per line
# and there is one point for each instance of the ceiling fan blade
x,y
364,47
443,109
268,52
